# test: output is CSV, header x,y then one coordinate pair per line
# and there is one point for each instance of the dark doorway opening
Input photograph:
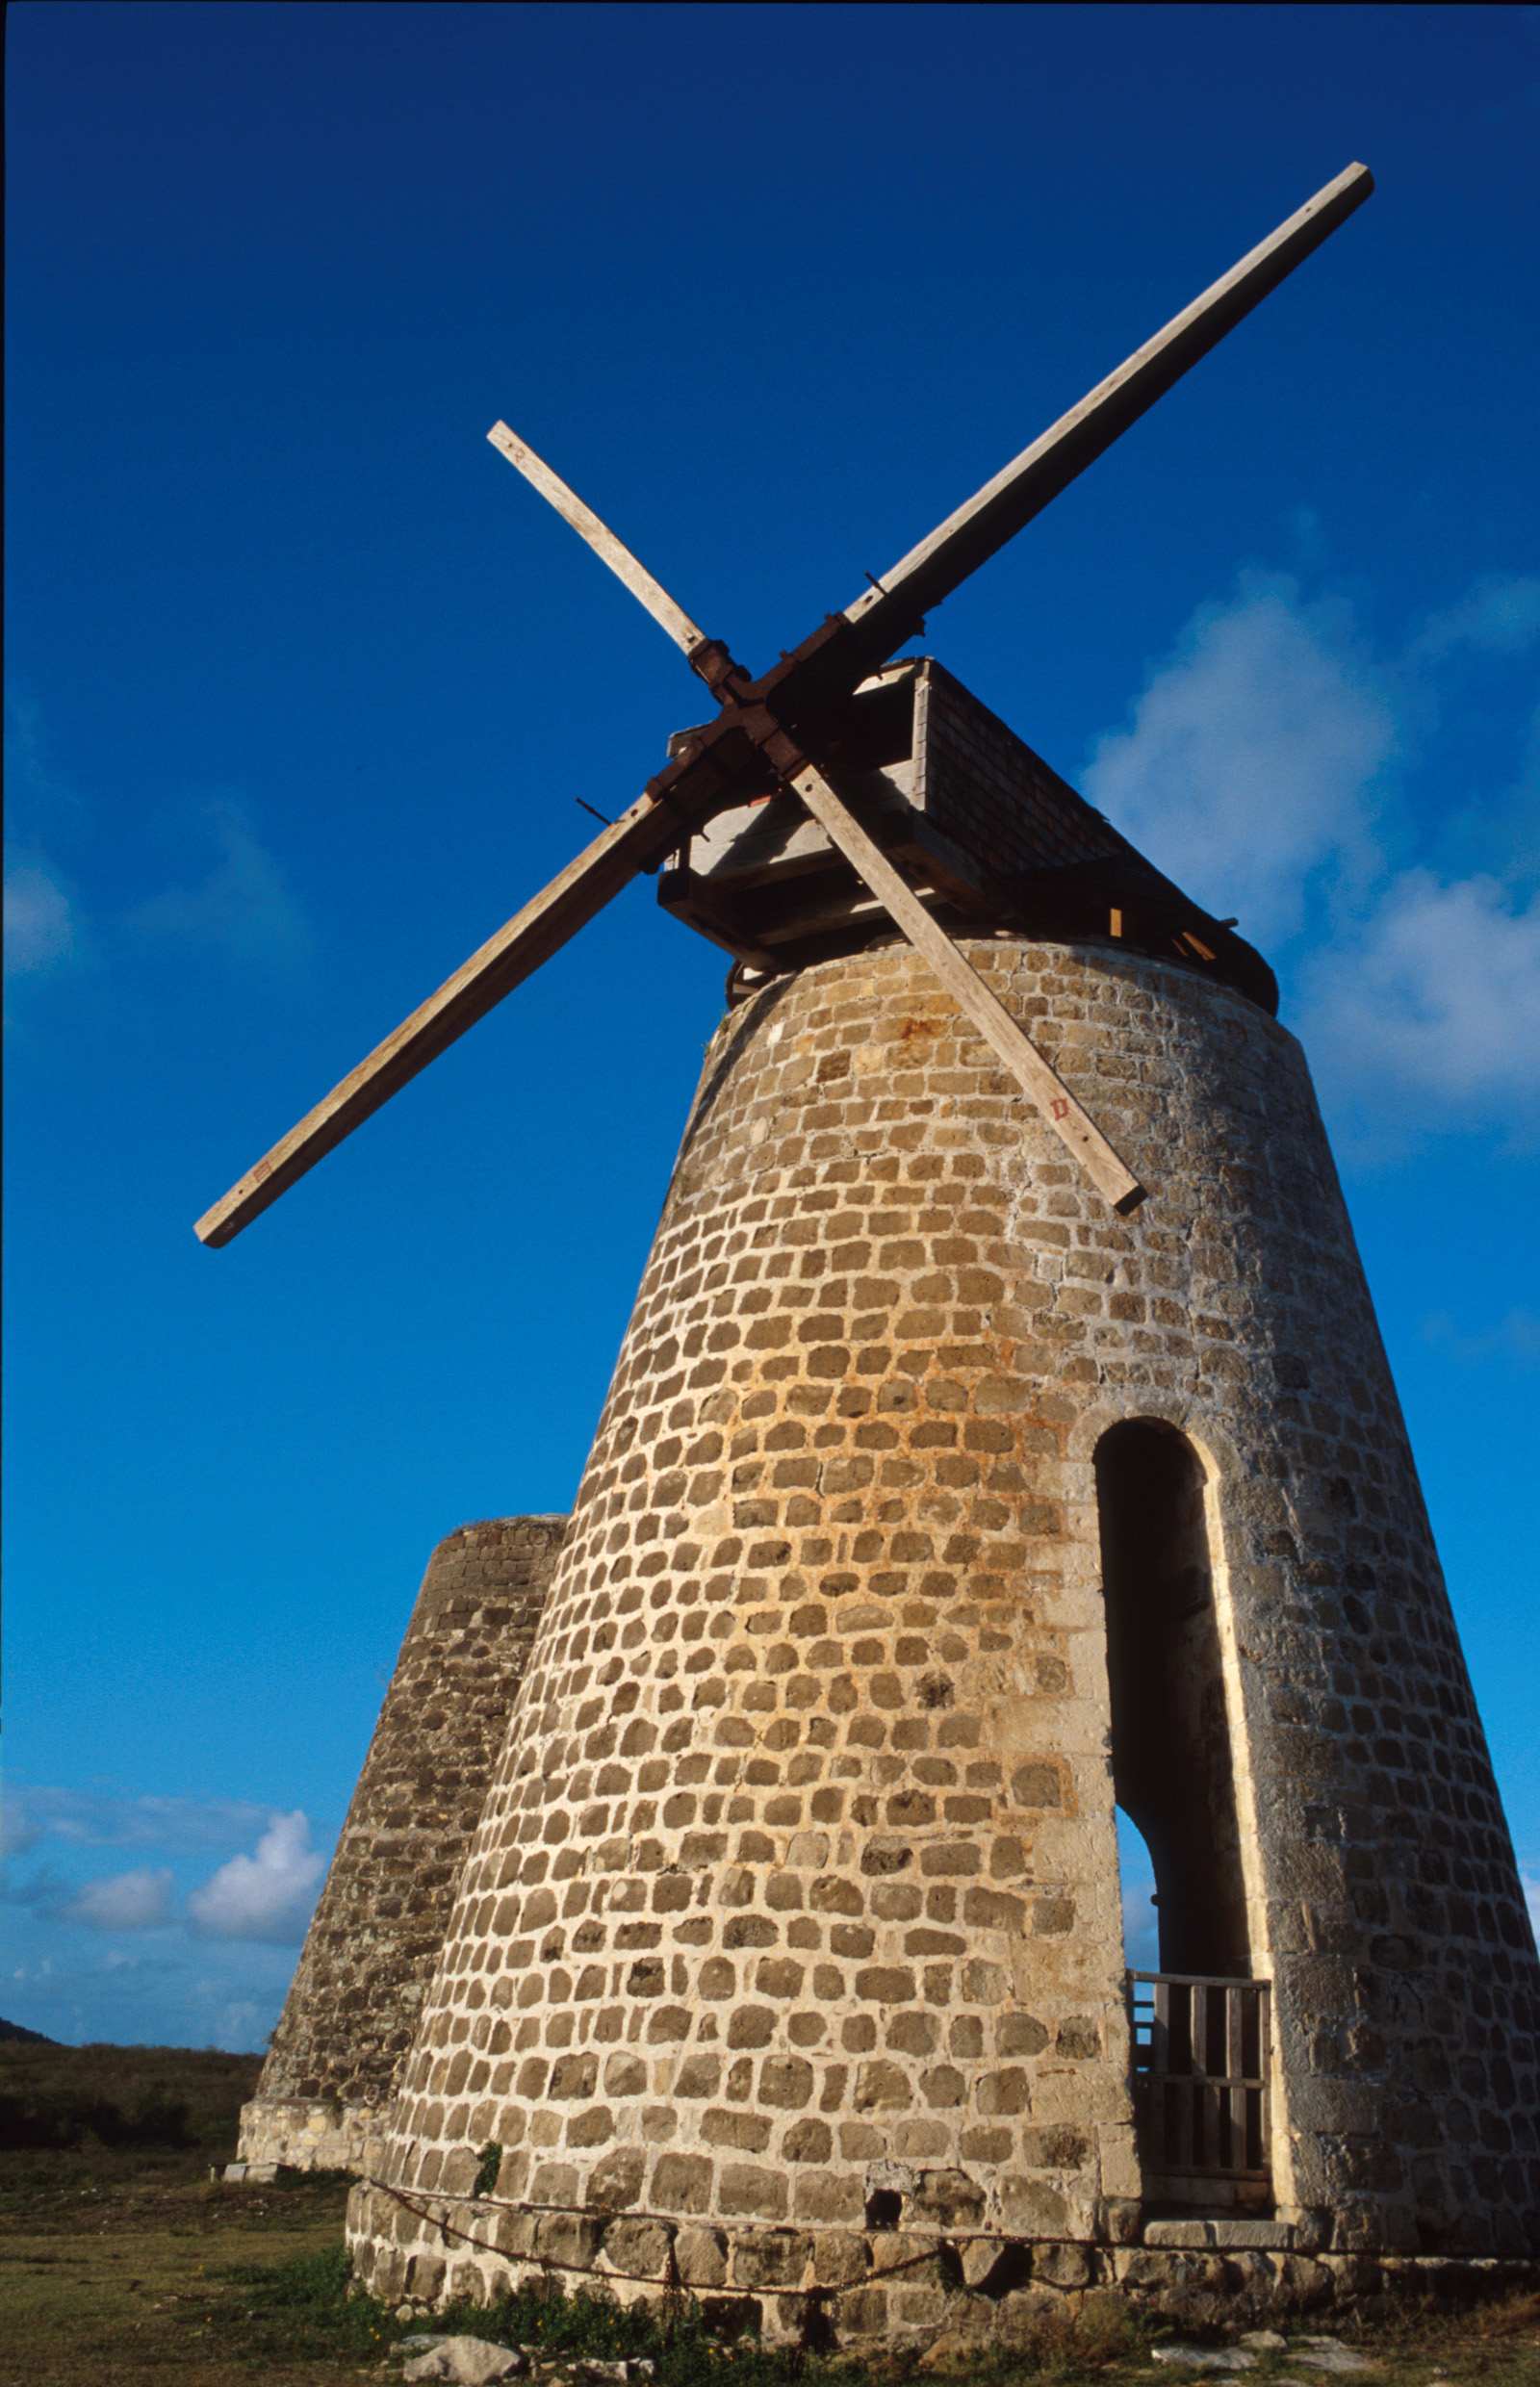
x,y
1172,1762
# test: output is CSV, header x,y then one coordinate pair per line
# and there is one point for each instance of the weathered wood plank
x,y
1196,2123
689,896
1208,1980
1006,503
1157,2099
1042,1085
1235,2005
1179,2137
547,921
1265,2070
1159,2059
609,549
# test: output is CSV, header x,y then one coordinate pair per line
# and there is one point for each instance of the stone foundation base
x,y
308,2134
851,2288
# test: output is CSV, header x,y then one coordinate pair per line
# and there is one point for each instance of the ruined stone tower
x,y
935,1508
376,1931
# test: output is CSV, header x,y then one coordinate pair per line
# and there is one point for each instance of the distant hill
x,y
137,2103
17,2030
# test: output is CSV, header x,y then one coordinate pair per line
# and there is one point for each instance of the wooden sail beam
x,y
640,836
609,549
692,788
1006,503
679,799
1040,1083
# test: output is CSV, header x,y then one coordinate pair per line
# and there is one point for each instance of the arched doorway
x,y
1199,2019
1172,1765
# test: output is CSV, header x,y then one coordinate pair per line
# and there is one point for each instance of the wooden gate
x,y
1200,2088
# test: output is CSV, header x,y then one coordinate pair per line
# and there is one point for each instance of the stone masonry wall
x,y
376,1933
789,1947
987,788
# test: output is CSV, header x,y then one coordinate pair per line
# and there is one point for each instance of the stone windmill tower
x,y
948,1492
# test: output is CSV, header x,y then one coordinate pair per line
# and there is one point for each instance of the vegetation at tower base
x,y
789,1950
127,2262
381,1921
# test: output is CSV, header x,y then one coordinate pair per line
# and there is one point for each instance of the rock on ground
x,y
468,2361
1206,2357
1328,2354
1313,2353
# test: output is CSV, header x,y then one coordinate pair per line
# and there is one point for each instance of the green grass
x,y
109,2277
121,2262
301,2311
305,2309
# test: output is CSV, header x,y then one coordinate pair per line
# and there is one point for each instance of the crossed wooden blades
x,y
777,718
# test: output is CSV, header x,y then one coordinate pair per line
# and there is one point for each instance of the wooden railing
x,y
1201,2078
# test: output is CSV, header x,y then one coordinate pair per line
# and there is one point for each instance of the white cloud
x,y
244,2023
137,1901
235,901
45,925
1516,1337
32,776
41,918
1497,820
1531,1899
1499,614
1253,756
107,1819
1432,1006
267,1897
45,1891
1258,771
241,907
154,1992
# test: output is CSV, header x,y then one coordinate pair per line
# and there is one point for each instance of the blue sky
x,y
302,683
